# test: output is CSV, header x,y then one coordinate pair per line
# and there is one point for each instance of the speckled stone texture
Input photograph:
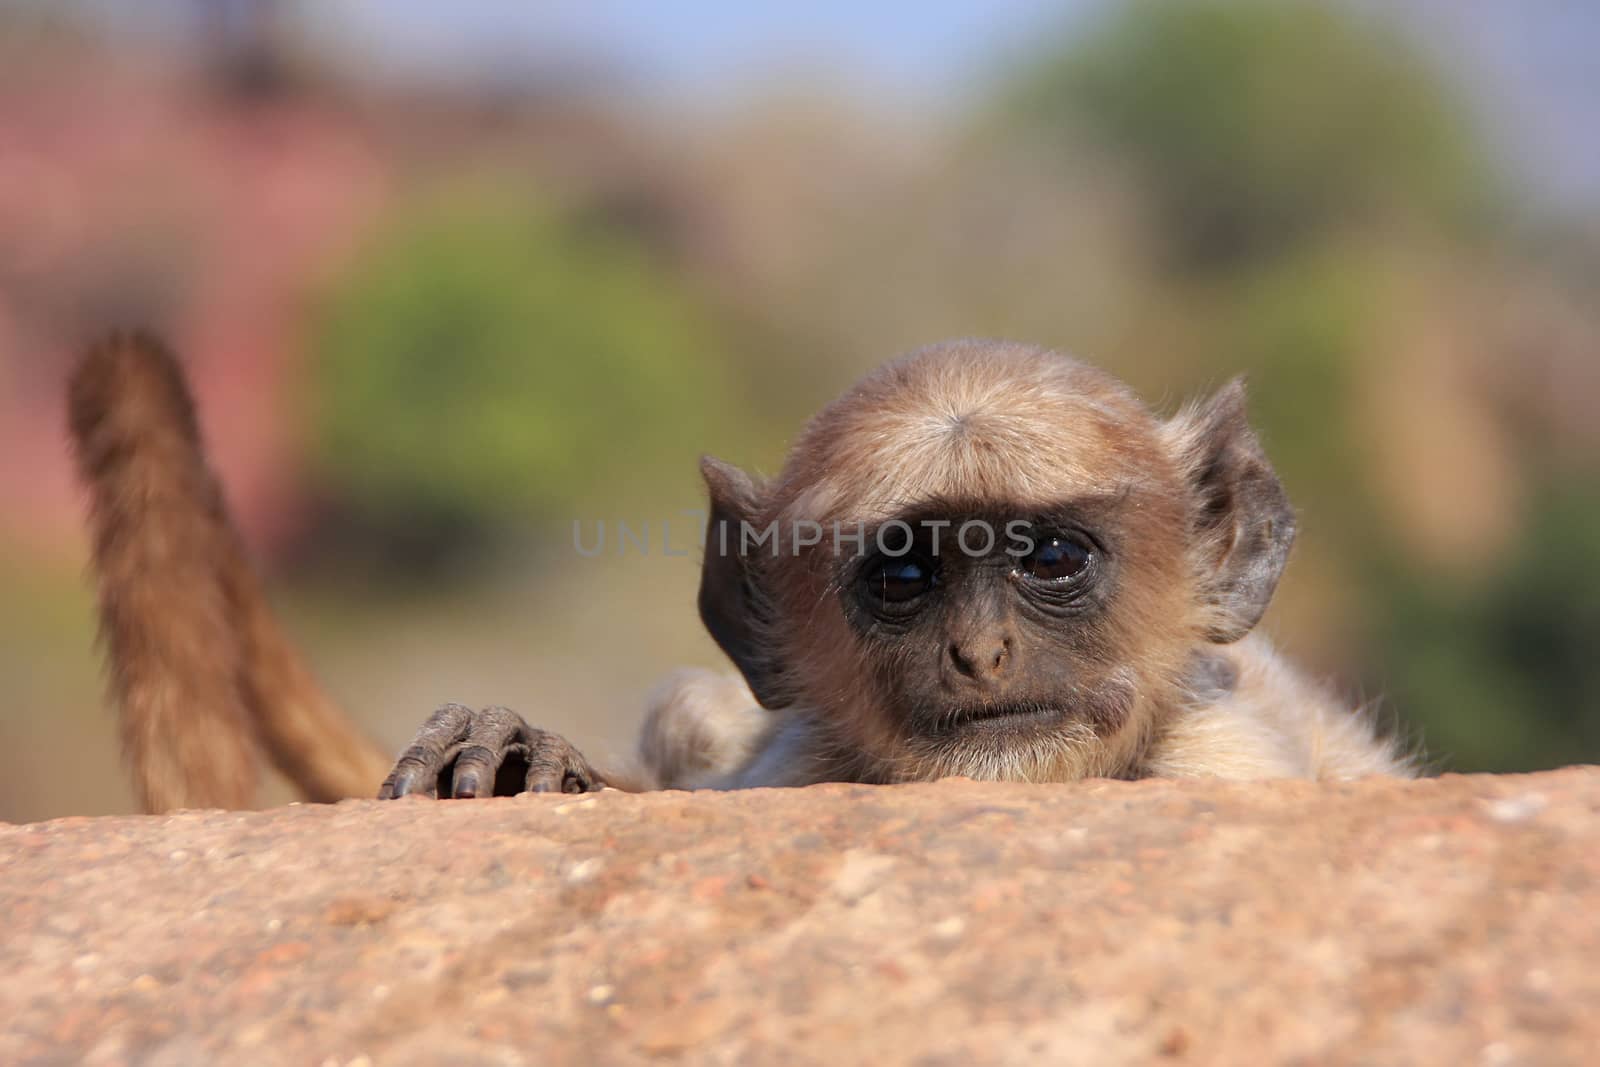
x,y
1453,921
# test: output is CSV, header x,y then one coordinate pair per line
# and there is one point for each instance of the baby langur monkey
x,y
986,559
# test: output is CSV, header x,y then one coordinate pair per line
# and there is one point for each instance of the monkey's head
x,y
992,560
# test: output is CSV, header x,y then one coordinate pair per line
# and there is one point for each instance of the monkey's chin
x,y
1003,743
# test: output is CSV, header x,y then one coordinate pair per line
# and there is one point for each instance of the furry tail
x,y
199,669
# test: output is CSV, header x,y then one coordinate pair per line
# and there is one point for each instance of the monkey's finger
x,y
493,733
554,766
417,770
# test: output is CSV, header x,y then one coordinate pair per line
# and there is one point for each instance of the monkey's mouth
x,y
1000,716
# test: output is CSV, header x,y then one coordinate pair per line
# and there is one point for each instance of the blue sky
x,y
1531,66
699,47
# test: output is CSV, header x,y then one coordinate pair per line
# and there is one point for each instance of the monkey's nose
x,y
981,659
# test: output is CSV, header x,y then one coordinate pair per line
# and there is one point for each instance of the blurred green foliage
x,y
489,363
1297,329
1255,123
1504,666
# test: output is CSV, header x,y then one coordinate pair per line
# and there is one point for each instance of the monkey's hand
x,y
494,752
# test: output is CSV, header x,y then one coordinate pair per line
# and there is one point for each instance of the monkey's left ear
x,y
1241,524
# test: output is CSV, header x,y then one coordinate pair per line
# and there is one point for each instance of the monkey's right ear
x,y
731,603
1241,526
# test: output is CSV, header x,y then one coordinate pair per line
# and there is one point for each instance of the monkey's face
x,y
1017,591
998,641
989,639
994,561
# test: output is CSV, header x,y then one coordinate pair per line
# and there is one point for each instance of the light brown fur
x,y
200,670
699,723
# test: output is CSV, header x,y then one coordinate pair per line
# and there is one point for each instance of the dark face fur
x,y
1101,549
986,621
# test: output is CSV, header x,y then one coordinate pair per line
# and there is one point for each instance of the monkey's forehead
x,y
969,420
902,461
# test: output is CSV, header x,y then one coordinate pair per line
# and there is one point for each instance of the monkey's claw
x,y
464,753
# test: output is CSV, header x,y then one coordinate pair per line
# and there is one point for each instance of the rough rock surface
x,y
1449,921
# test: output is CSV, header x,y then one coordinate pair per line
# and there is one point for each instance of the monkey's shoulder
x,y
1271,720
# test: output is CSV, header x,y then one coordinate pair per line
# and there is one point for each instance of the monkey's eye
x,y
1056,559
898,579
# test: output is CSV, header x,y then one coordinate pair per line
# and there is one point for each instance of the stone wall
x,y
1454,920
